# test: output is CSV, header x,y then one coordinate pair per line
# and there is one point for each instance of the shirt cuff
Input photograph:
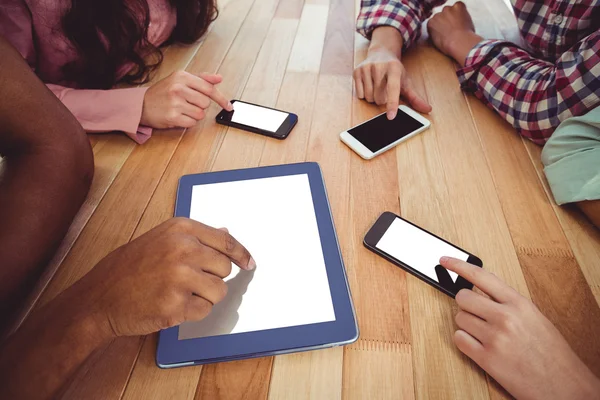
x,y
401,17
478,56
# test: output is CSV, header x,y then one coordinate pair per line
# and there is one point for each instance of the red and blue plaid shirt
x,y
556,77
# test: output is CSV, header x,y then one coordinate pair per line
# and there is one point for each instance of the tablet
x,y
297,298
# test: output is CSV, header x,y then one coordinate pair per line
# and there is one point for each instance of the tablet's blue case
x,y
172,352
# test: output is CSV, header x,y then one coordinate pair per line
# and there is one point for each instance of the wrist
x,y
459,45
386,39
81,313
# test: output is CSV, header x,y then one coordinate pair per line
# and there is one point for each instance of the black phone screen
x,y
381,132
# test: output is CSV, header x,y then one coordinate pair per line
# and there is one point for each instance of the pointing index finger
x,y
222,241
484,280
208,89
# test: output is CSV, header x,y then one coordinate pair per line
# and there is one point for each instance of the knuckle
x,y
179,224
220,289
461,296
172,116
179,75
204,308
176,89
229,242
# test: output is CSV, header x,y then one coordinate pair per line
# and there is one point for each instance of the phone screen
x,y
257,117
381,132
418,249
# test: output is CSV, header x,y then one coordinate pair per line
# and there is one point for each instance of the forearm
x,y
45,175
532,94
48,349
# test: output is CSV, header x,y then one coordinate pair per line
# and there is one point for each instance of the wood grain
x,y
544,252
469,179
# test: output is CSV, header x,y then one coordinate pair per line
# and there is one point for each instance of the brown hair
x,y
110,33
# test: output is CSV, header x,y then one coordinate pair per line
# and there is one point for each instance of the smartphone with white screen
x,y
258,119
379,134
418,252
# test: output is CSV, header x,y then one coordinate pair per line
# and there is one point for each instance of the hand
x,y
180,100
514,342
452,32
382,79
172,274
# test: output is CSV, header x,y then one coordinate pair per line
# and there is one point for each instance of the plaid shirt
x,y
556,77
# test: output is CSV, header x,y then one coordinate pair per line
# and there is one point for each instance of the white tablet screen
x,y
275,219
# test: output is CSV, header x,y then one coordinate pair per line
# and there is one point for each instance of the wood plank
x,y
310,375
247,379
148,381
452,194
583,237
378,287
113,363
319,375
388,370
557,284
308,47
289,9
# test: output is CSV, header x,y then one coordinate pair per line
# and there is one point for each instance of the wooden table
x,y
469,178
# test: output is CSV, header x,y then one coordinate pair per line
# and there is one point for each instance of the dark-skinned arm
x,y
46,172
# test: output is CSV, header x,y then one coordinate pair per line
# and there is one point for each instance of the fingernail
x,y
229,107
444,259
251,264
391,115
224,230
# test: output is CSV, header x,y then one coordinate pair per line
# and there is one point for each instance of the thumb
x,y
211,78
413,98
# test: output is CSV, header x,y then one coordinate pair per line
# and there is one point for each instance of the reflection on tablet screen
x,y
275,219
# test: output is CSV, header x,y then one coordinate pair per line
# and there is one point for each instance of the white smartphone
x,y
379,134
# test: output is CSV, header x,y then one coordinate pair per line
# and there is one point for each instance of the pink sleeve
x,y
107,110
16,27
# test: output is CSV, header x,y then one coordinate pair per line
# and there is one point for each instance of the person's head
x,y
109,33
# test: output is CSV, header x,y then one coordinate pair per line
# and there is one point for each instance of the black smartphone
x,y
258,119
418,252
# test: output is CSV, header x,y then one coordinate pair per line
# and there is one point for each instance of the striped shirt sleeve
x,y
404,15
534,95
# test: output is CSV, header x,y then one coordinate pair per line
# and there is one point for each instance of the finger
x,y
207,286
484,280
222,242
193,111
393,96
183,121
477,304
209,90
470,346
473,325
358,83
379,85
196,98
210,261
215,79
368,84
197,308
413,98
